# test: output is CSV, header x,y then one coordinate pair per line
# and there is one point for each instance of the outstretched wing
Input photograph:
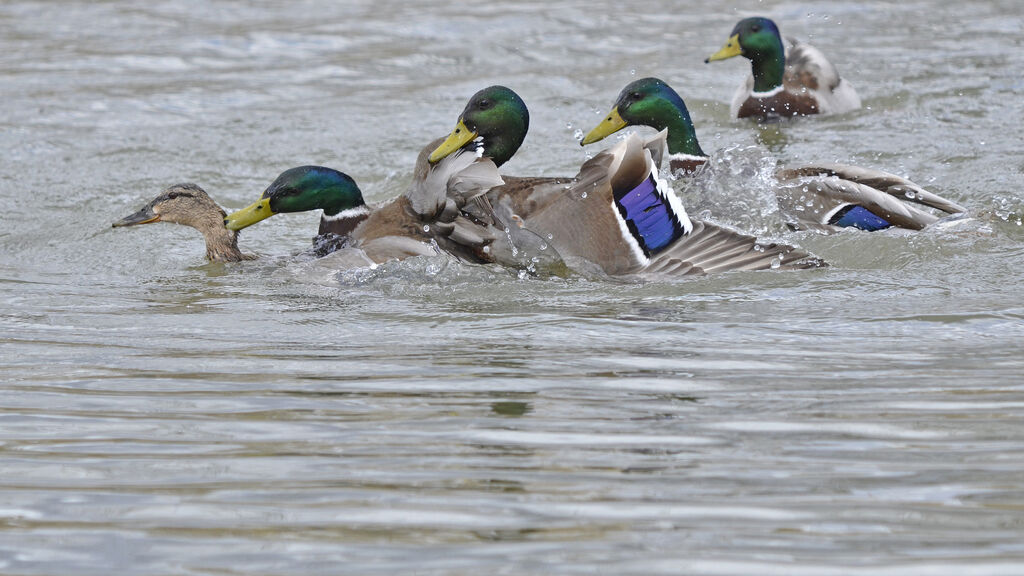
x,y
577,217
886,195
614,215
710,248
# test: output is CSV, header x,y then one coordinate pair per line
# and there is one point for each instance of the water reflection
x,y
772,135
512,409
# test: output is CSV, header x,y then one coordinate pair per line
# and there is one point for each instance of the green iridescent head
x,y
758,40
495,121
299,190
650,102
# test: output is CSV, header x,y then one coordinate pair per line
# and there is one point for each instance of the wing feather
x,y
577,220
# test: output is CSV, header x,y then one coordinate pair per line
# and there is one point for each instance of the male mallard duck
x,y
615,214
822,196
405,226
785,80
189,204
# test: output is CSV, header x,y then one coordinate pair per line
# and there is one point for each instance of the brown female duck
x,y
190,205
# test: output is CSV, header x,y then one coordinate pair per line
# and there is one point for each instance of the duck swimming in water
x,y
822,196
615,214
416,223
190,205
785,80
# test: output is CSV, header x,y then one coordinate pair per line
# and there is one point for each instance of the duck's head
x,y
493,124
299,190
751,38
189,204
186,204
650,102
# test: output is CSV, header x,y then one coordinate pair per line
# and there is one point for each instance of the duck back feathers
x,y
617,216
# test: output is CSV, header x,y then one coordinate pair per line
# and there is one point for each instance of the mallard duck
x,y
409,225
190,205
615,214
822,196
793,80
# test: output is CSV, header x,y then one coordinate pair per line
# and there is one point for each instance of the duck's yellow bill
x,y
459,137
731,48
610,125
249,215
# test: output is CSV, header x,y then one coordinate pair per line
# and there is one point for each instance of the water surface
x,y
163,415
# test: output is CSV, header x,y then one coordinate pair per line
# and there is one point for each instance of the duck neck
x,y
669,112
500,148
682,138
348,200
768,65
221,243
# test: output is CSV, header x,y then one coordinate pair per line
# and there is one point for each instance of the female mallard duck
x,y
616,214
189,204
822,196
409,225
792,80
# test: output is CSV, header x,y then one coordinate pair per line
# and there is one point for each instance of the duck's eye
x,y
173,195
636,96
755,28
483,104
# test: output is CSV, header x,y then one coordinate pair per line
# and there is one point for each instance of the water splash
x,y
1009,209
736,188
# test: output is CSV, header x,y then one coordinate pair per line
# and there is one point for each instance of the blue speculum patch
x,y
858,217
649,217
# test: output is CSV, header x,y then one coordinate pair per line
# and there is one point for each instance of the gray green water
x,y
163,415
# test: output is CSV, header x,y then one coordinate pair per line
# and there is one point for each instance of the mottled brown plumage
x,y
190,205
